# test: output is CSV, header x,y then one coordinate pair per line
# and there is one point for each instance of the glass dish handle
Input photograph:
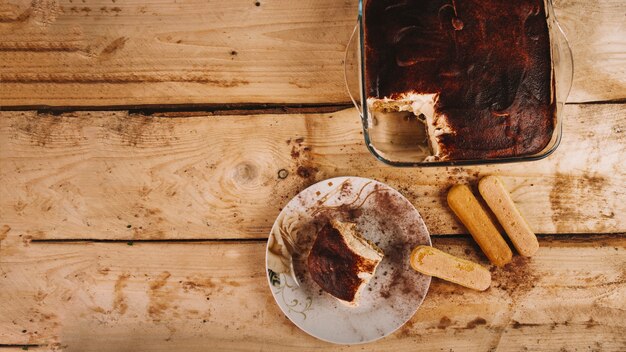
x,y
349,62
563,61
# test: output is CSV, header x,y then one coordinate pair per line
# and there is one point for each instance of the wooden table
x,y
140,149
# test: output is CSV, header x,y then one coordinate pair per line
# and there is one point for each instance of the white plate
x,y
396,291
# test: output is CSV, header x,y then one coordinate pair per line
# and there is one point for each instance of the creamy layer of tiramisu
x,y
477,72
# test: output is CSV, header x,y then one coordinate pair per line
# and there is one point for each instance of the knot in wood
x,y
245,172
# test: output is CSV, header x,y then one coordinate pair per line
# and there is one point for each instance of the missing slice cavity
x,y
422,106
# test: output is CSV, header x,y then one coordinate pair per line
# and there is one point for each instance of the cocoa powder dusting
x,y
306,171
444,323
517,277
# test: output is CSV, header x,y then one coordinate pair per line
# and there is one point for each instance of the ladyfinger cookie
x,y
500,202
430,261
477,222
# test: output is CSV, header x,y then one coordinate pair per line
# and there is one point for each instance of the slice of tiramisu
x,y
342,261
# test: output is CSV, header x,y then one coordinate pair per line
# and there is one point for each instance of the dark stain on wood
x,y
116,77
444,323
10,13
144,224
160,299
49,46
517,325
3,231
567,193
407,329
27,239
204,285
197,284
300,84
591,323
231,283
295,154
131,130
40,296
105,9
306,171
98,309
116,45
301,154
40,129
476,322
119,302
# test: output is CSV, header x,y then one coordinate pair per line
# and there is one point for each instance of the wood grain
x,y
136,52
108,175
115,297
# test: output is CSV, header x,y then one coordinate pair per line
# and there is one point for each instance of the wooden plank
x,y
107,175
598,46
151,52
189,296
69,53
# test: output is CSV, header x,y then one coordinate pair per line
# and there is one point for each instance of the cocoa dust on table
x,y
517,277
306,171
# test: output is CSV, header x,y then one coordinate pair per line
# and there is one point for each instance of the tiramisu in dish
x,y
342,261
478,73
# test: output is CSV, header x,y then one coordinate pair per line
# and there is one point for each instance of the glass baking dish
x,y
399,138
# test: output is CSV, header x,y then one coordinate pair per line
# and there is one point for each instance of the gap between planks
x,y
20,347
208,110
182,110
583,238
